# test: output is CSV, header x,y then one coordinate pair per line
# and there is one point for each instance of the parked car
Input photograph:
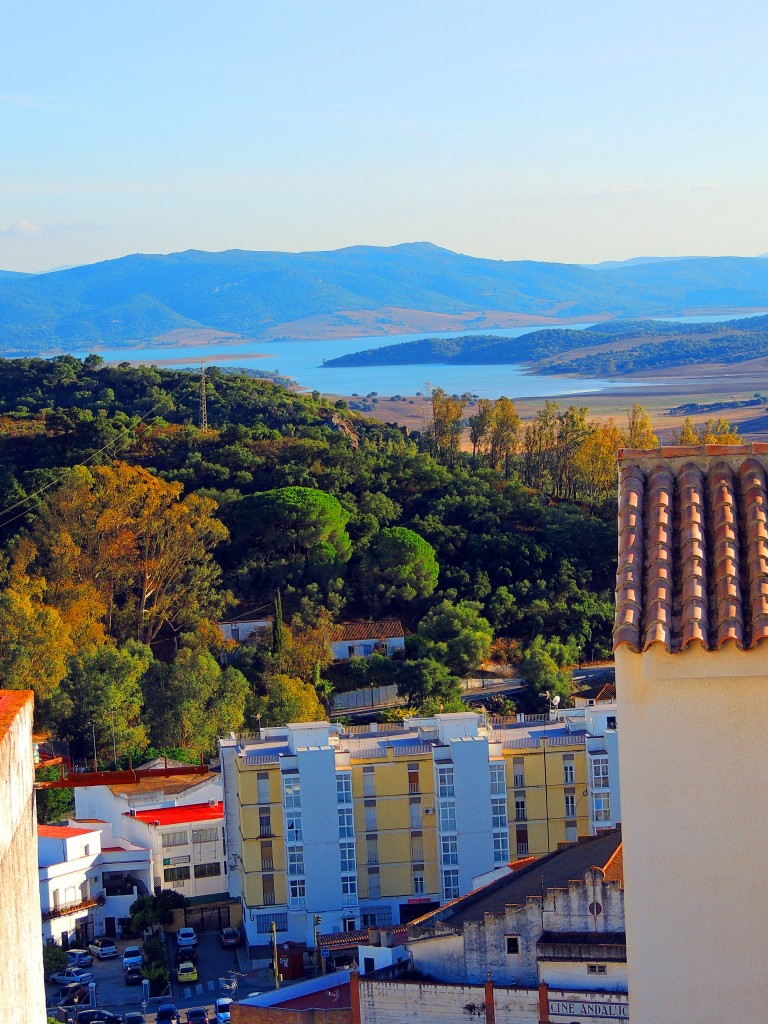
x,y
99,1016
221,1010
186,953
167,1014
133,956
186,937
197,1015
79,958
69,974
103,948
134,1017
133,975
186,973
229,937
73,994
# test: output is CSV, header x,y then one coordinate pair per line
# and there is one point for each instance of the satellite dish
x,y
556,699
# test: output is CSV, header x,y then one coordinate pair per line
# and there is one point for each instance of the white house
x,y
362,639
88,880
243,629
187,846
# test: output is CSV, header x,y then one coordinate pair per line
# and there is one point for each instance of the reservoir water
x,y
303,360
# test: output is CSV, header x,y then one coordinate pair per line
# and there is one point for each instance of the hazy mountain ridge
x,y
137,298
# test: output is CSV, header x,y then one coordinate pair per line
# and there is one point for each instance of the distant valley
x,y
166,300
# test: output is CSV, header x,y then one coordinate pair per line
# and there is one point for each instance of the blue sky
x,y
546,131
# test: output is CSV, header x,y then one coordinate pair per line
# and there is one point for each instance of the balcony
x,y
522,849
73,908
414,788
518,781
265,830
267,864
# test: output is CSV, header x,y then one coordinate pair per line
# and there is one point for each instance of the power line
x,y
114,444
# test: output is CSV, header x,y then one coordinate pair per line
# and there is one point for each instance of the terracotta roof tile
x,y
693,547
387,629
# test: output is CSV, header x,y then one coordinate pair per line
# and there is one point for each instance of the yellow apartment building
x,y
372,826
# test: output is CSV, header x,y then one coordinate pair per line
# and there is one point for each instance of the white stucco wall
x,y
21,962
694,771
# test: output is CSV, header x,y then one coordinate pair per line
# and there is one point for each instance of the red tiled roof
x,y
63,831
387,629
693,547
180,815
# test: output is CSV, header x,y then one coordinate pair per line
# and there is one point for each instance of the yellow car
x,y
186,972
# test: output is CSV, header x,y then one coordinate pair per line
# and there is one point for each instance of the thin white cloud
x,y
706,186
21,227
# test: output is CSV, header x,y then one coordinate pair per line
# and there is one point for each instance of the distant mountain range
x,y
415,287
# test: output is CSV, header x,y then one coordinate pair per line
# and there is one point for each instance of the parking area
x,y
215,965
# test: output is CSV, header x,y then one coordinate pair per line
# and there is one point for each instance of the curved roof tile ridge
x,y
728,602
753,487
694,603
629,574
659,558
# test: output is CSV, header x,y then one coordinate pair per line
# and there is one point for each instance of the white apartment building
x,y
88,880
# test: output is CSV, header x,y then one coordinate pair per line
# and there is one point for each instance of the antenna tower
x,y
203,405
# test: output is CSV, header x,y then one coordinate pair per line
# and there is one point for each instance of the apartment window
x,y
298,894
264,923
346,824
445,786
349,885
597,969
498,783
449,850
370,816
414,808
600,772
521,837
296,862
570,805
205,835
500,847
513,944
372,850
268,890
571,833
343,788
417,849
369,788
180,874
207,870
518,771
448,816
520,813
499,811
267,862
374,884
610,722
56,899
291,792
418,885
413,779
347,851
262,783
348,924
265,822
451,884
175,839
602,807
294,833
568,770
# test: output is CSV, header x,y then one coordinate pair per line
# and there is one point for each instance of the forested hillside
x,y
617,348
127,532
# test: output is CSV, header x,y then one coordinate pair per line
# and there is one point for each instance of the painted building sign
x,y
581,1010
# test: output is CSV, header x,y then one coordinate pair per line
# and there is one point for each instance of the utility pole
x,y
203,405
